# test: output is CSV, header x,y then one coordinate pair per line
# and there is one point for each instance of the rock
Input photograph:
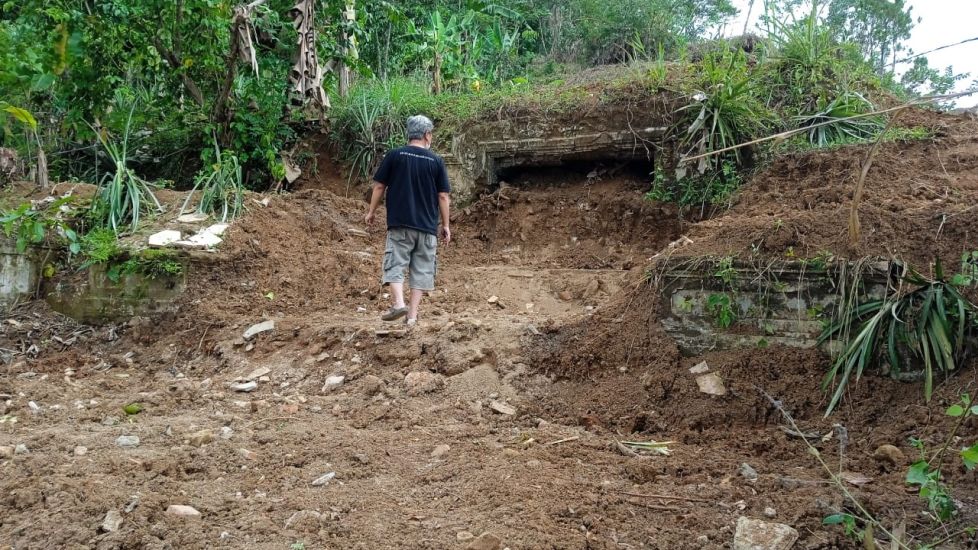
x,y
201,438
502,408
422,382
110,421
258,373
464,536
749,473
306,521
34,407
112,521
485,541
255,330
245,387
701,368
182,511
333,382
127,441
891,455
6,452
217,229
855,478
592,288
196,217
226,432
770,513
81,451
247,455
323,479
21,449
203,239
565,296
754,534
440,451
702,540
164,238
711,384
493,300
372,385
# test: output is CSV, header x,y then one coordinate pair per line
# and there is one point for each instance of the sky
x,y
943,22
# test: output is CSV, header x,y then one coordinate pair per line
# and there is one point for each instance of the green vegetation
x,y
927,319
721,308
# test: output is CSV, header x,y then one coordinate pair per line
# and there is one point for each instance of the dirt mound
x,y
306,252
918,204
550,218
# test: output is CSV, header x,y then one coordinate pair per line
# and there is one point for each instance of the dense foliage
x,y
77,65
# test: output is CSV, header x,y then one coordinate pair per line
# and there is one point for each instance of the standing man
x,y
418,192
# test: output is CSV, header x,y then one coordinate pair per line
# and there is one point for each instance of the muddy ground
x,y
496,419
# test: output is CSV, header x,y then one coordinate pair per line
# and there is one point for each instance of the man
x,y
418,193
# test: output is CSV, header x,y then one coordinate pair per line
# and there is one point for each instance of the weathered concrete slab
x,y
782,303
19,273
93,297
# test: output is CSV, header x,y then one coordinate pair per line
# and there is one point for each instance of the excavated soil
x,y
419,435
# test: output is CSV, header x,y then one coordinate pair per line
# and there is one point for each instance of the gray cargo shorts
x,y
413,249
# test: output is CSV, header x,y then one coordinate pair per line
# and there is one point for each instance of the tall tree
x,y
878,27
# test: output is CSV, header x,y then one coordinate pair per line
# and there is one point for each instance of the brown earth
x,y
573,345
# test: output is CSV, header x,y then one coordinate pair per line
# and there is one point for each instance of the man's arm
x,y
375,198
444,207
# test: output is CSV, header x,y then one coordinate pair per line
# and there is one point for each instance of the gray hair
x,y
418,126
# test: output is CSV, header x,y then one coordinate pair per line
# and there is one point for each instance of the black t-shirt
x,y
414,176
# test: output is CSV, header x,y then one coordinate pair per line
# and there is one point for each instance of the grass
x,y
221,187
928,320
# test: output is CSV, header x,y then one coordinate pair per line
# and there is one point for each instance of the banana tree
x,y
440,42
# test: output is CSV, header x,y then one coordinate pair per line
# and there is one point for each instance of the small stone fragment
x,y
701,368
182,511
485,541
226,432
323,479
333,382
754,534
890,454
112,521
422,382
748,473
255,330
464,536
81,450
440,451
248,455
21,449
245,387
770,513
502,408
127,441
372,385
196,217
6,452
201,438
258,373
565,296
711,384
306,521
164,238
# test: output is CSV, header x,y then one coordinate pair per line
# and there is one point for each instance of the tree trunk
x,y
348,50
306,76
437,73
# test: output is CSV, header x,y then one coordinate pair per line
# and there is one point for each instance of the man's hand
x,y
446,234
369,218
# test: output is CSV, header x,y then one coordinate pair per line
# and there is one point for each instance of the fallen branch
x,y
857,196
668,497
565,440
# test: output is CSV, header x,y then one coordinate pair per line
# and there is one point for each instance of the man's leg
x,y
422,270
397,294
397,256
416,296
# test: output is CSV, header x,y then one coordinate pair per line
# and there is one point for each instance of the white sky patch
x,y
943,22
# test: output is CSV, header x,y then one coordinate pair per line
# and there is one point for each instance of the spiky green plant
x,y
122,195
929,319
221,187
844,106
